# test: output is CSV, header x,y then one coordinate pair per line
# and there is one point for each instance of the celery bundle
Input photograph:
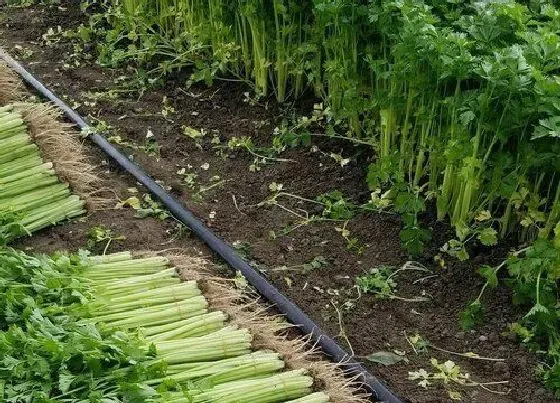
x,y
148,336
198,347
31,195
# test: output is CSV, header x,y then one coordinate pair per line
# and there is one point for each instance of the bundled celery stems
x,y
213,359
31,195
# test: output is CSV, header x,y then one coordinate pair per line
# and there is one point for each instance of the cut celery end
x,y
317,397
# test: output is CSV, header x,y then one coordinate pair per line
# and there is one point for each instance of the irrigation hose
x,y
292,312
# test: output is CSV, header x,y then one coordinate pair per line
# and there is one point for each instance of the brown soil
x,y
231,210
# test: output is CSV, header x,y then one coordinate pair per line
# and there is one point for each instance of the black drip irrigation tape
x,y
292,312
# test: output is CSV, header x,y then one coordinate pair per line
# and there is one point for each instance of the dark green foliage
x,y
378,281
534,278
10,227
472,315
413,236
336,207
46,353
458,99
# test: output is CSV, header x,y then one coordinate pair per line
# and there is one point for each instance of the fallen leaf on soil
x,y
386,358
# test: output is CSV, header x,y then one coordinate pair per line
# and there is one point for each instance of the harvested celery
x,y
31,195
317,397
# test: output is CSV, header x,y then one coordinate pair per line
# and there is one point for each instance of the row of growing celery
x,y
459,100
